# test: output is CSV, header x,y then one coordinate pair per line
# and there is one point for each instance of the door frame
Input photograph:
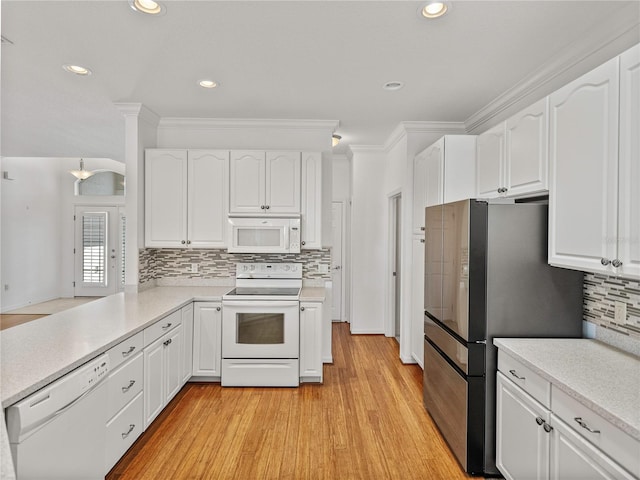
x,y
344,205
394,231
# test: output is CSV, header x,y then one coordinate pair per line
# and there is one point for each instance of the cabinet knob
x,y
616,263
217,309
539,420
422,229
188,242
605,261
267,207
262,207
302,309
166,342
422,240
183,242
547,427
303,242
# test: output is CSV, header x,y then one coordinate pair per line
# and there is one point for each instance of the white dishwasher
x,y
59,431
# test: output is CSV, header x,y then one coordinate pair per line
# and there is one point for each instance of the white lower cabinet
x,y
187,348
311,319
162,372
561,439
207,339
123,429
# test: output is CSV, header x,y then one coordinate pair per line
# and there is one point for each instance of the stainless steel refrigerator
x,y
486,276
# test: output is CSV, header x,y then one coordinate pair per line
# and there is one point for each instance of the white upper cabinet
x,y
419,192
513,156
449,172
186,198
629,164
593,185
311,218
165,198
265,182
491,154
527,159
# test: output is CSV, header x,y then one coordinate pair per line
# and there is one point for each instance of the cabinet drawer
x,y
124,384
161,327
123,430
125,350
620,446
525,378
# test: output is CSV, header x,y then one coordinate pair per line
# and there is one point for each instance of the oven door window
x,y
260,328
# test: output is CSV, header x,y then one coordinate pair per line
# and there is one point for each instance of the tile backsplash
x,y
168,265
600,294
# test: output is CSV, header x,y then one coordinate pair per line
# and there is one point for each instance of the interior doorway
x,y
338,262
98,250
395,255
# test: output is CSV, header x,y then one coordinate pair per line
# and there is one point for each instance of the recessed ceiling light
x,y
393,86
77,69
149,7
434,9
208,83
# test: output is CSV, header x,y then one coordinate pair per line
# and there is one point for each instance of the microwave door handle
x,y
287,235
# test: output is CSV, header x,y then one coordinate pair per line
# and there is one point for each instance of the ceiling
x,y
324,60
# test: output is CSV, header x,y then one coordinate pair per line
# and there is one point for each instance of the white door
x,y
337,275
97,251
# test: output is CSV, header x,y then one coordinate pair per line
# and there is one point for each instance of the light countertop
x,y
313,294
603,378
37,353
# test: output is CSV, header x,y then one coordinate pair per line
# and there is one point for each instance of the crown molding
x,y
416,127
609,38
229,123
366,149
140,111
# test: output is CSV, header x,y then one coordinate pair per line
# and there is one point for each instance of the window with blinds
x,y
94,248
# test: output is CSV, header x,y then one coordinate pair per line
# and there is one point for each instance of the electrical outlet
x,y
194,268
620,315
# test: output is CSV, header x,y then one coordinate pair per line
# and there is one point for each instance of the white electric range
x,y
261,326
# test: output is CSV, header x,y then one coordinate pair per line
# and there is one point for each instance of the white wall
x,y
341,177
37,227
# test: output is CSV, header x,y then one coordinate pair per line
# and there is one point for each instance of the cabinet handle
x,y
128,352
183,242
422,229
267,207
302,309
605,261
166,342
164,327
582,423
188,242
422,240
128,387
131,427
262,207
217,309
540,421
616,263
547,427
303,243
513,372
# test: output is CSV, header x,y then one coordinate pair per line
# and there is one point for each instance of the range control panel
x,y
268,270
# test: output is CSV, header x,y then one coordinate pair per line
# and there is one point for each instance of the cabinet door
x,y
522,444
629,165
583,171
311,340
490,161
574,457
165,218
419,192
282,194
207,341
187,346
434,171
311,219
173,343
208,173
154,380
527,152
247,182
417,299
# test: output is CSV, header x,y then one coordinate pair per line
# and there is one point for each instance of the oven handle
x,y
260,303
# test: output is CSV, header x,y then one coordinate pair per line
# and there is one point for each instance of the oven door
x,y
260,329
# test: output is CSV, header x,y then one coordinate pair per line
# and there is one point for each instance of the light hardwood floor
x,y
366,421
8,320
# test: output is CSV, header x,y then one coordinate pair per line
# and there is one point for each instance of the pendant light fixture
x,y
81,174
335,139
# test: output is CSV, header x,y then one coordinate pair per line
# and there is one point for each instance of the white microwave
x,y
264,235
